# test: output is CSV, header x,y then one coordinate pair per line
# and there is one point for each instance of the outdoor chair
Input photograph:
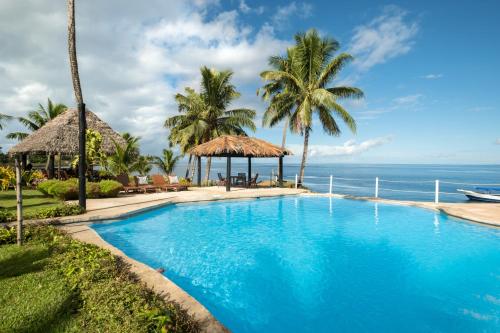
x,y
127,186
144,187
160,182
222,180
253,181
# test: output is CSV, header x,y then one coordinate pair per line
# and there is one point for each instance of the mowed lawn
x,y
32,200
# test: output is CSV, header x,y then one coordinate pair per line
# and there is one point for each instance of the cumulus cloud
x,y
349,148
246,9
132,58
387,36
432,76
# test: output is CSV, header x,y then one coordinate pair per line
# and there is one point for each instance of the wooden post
x,y
249,169
199,170
280,171
24,161
51,166
19,197
228,174
59,165
82,127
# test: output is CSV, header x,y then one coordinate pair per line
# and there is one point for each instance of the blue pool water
x,y
313,264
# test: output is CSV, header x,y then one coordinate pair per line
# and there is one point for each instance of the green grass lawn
x,y
56,284
32,200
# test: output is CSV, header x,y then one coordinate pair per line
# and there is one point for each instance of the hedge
x,y
68,189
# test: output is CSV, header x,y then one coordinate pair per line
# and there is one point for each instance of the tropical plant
x,y
134,141
37,118
302,89
3,119
123,158
142,165
168,162
7,178
204,115
93,151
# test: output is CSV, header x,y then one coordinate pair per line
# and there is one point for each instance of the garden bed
x,y
58,284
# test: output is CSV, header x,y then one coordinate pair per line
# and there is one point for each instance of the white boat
x,y
484,194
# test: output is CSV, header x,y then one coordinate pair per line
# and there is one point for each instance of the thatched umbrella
x,y
60,136
239,146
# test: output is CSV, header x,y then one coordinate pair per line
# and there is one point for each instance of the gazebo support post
x,y
249,170
19,199
82,127
58,165
228,174
198,165
24,159
280,171
51,167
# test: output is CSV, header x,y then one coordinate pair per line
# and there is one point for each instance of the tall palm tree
x,y
123,159
168,162
77,89
3,119
37,118
205,115
280,107
307,89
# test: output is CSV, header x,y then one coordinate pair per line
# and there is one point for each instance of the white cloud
x,y
246,9
498,141
481,109
432,76
349,148
285,13
385,37
132,58
409,100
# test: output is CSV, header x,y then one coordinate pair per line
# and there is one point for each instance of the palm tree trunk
x,y
193,167
304,156
75,76
207,170
189,165
285,129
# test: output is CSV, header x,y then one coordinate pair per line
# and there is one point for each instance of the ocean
x,y
396,181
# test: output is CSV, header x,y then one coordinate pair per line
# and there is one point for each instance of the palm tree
x,y
306,92
3,119
134,142
123,159
205,115
37,118
168,162
280,107
142,165
75,78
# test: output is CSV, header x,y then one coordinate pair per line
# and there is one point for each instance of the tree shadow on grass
x,y
27,261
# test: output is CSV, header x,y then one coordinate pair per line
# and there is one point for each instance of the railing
x,y
379,187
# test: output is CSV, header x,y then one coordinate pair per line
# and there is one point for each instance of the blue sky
x,y
429,69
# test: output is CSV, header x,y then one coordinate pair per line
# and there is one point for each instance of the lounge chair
x,y
253,181
222,180
160,182
127,186
145,187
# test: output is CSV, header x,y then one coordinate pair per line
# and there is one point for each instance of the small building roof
x,y
60,135
239,146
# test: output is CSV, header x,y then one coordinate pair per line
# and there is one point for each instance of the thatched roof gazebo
x,y
60,135
239,146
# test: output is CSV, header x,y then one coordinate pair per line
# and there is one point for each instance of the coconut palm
x,y
123,159
204,115
3,119
307,91
77,89
280,107
168,162
37,118
142,165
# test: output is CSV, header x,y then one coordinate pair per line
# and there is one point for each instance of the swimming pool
x,y
316,264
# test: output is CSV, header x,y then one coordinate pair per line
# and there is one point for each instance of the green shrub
x,y
93,190
56,211
64,190
109,188
45,186
6,215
